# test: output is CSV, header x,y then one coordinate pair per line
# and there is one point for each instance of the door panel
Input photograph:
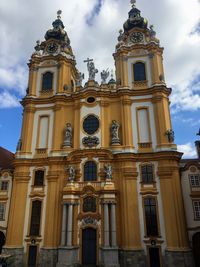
x,y
89,246
196,248
32,256
154,257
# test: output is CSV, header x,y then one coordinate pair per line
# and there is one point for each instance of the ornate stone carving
x,y
80,79
115,132
71,173
170,135
90,141
68,135
108,171
104,75
91,69
89,220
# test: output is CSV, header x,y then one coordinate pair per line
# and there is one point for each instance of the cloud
x,y
188,149
8,100
93,29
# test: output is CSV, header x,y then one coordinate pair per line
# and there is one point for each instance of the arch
x,y
90,171
139,71
196,248
47,81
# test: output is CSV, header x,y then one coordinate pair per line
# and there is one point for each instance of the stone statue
x,y
115,132
19,145
152,32
68,135
104,75
80,79
120,37
71,171
170,135
108,171
37,48
91,69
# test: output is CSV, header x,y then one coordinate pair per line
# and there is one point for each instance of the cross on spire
x,y
59,12
133,3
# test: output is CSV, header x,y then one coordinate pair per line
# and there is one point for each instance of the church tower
x,y
96,177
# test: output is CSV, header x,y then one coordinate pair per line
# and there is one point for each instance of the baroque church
x,y
96,178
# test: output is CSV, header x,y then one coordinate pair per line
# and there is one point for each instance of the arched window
x,y
90,171
89,204
151,216
147,174
35,217
39,178
139,72
47,81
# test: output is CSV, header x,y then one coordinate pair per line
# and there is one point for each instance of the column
x,y
113,225
106,226
64,226
69,225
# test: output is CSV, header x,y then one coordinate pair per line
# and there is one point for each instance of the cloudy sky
x,y
93,26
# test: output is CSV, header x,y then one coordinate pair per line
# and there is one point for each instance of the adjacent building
x,y
97,177
190,179
6,176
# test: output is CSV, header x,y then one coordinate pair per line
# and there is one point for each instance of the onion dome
x,y
135,20
58,32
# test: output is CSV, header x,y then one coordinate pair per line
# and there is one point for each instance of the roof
x,y
6,159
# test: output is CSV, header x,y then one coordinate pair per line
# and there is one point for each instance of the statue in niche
x,y
68,135
108,171
115,132
71,171
91,69
170,135
80,79
104,75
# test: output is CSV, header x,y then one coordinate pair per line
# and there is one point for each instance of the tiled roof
x,y
6,159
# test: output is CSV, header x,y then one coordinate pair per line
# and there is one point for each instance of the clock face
x,y
136,37
52,47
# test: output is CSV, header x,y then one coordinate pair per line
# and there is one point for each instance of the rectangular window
x,y
151,216
2,211
147,174
4,185
35,218
194,180
43,132
196,206
39,178
143,125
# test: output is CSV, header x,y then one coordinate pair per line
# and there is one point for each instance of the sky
x,y
93,26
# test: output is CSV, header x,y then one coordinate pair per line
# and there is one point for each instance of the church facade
x,y
96,178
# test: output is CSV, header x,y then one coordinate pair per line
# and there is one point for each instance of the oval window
x,y
91,99
91,124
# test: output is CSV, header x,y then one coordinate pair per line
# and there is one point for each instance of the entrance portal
x,y
196,248
89,246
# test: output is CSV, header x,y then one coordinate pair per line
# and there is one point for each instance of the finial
x,y
198,132
59,12
133,3
112,75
